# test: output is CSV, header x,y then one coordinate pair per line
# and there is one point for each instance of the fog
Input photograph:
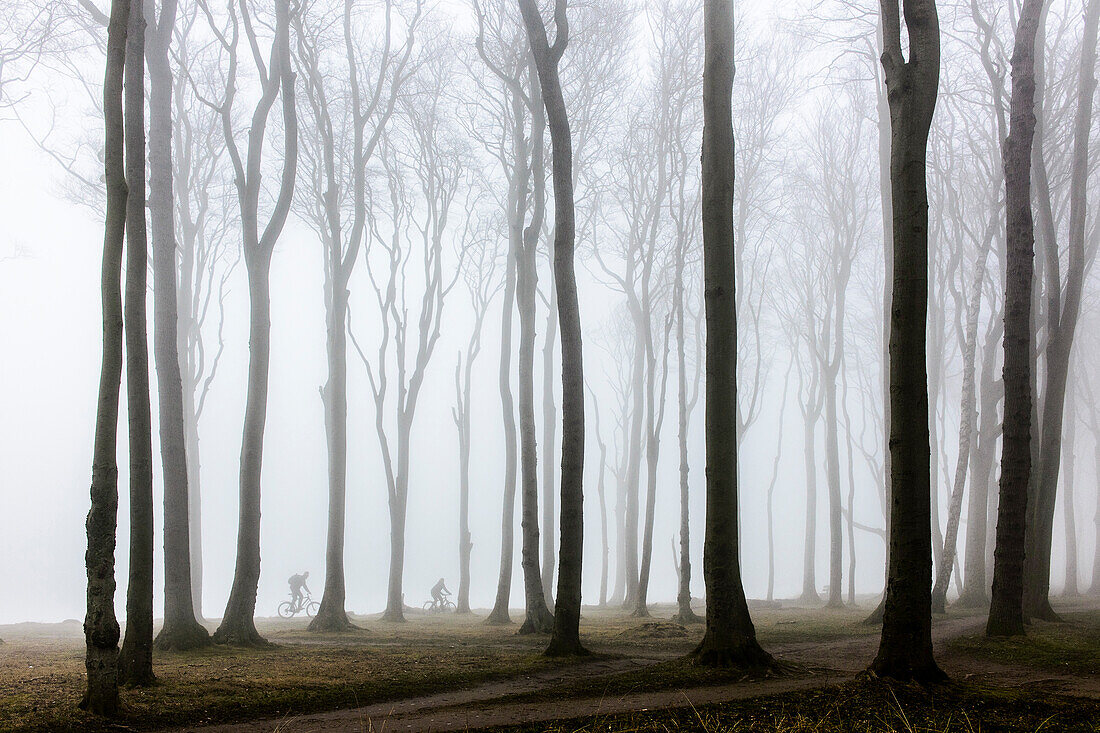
x,y
811,244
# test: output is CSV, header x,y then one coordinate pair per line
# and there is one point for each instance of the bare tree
x,y
905,651
136,655
347,122
565,637
1006,612
1063,308
181,630
101,630
730,638
482,283
276,80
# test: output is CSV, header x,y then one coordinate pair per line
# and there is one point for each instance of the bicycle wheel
x,y
450,606
311,608
286,609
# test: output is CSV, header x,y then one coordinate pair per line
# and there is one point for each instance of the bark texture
x,y
730,638
136,655
905,649
181,631
1006,610
101,630
565,638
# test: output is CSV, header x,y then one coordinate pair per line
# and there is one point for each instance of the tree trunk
x,y
194,502
1060,346
537,618
238,625
633,472
905,650
811,413
136,655
499,614
549,420
567,608
730,638
101,630
1070,589
462,418
832,460
1006,609
600,490
684,613
331,614
975,588
180,630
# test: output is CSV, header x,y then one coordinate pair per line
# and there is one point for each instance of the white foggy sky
x,y
49,364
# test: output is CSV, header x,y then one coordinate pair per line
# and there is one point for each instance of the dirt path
x,y
484,706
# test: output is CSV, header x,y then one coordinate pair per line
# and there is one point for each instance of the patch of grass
x,y
860,706
1072,647
41,681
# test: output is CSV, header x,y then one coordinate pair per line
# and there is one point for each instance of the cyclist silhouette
x,y
297,583
440,592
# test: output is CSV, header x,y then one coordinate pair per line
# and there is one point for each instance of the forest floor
x,y
455,673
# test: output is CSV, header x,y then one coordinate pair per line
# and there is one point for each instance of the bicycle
x,y
288,609
443,606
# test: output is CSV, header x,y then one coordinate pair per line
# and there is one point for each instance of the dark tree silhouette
x,y
565,637
136,655
730,638
180,630
905,650
101,630
1006,610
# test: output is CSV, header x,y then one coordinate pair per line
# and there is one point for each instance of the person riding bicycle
x,y
440,593
297,583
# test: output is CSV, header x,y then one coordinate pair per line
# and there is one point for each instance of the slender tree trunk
x,y
684,613
331,614
905,650
565,639
395,596
601,492
462,418
771,485
537,618
238,625
655,420
136,655
101,630
809,546
194,502
1068,443
1060,347
180,630
1006,609
730,638
975,589
633,472
832,460
499,614
549,421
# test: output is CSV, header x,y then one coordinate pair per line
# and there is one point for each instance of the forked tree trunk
x,y
730,638
238,625
565,639
1060,346
905,649
136,655
101,630
180,630
1006,609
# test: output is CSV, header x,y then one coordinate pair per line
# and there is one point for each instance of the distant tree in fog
x,y
276,80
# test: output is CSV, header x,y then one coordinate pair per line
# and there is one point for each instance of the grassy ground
x,y
41,679
42,675
861,706
1072,647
